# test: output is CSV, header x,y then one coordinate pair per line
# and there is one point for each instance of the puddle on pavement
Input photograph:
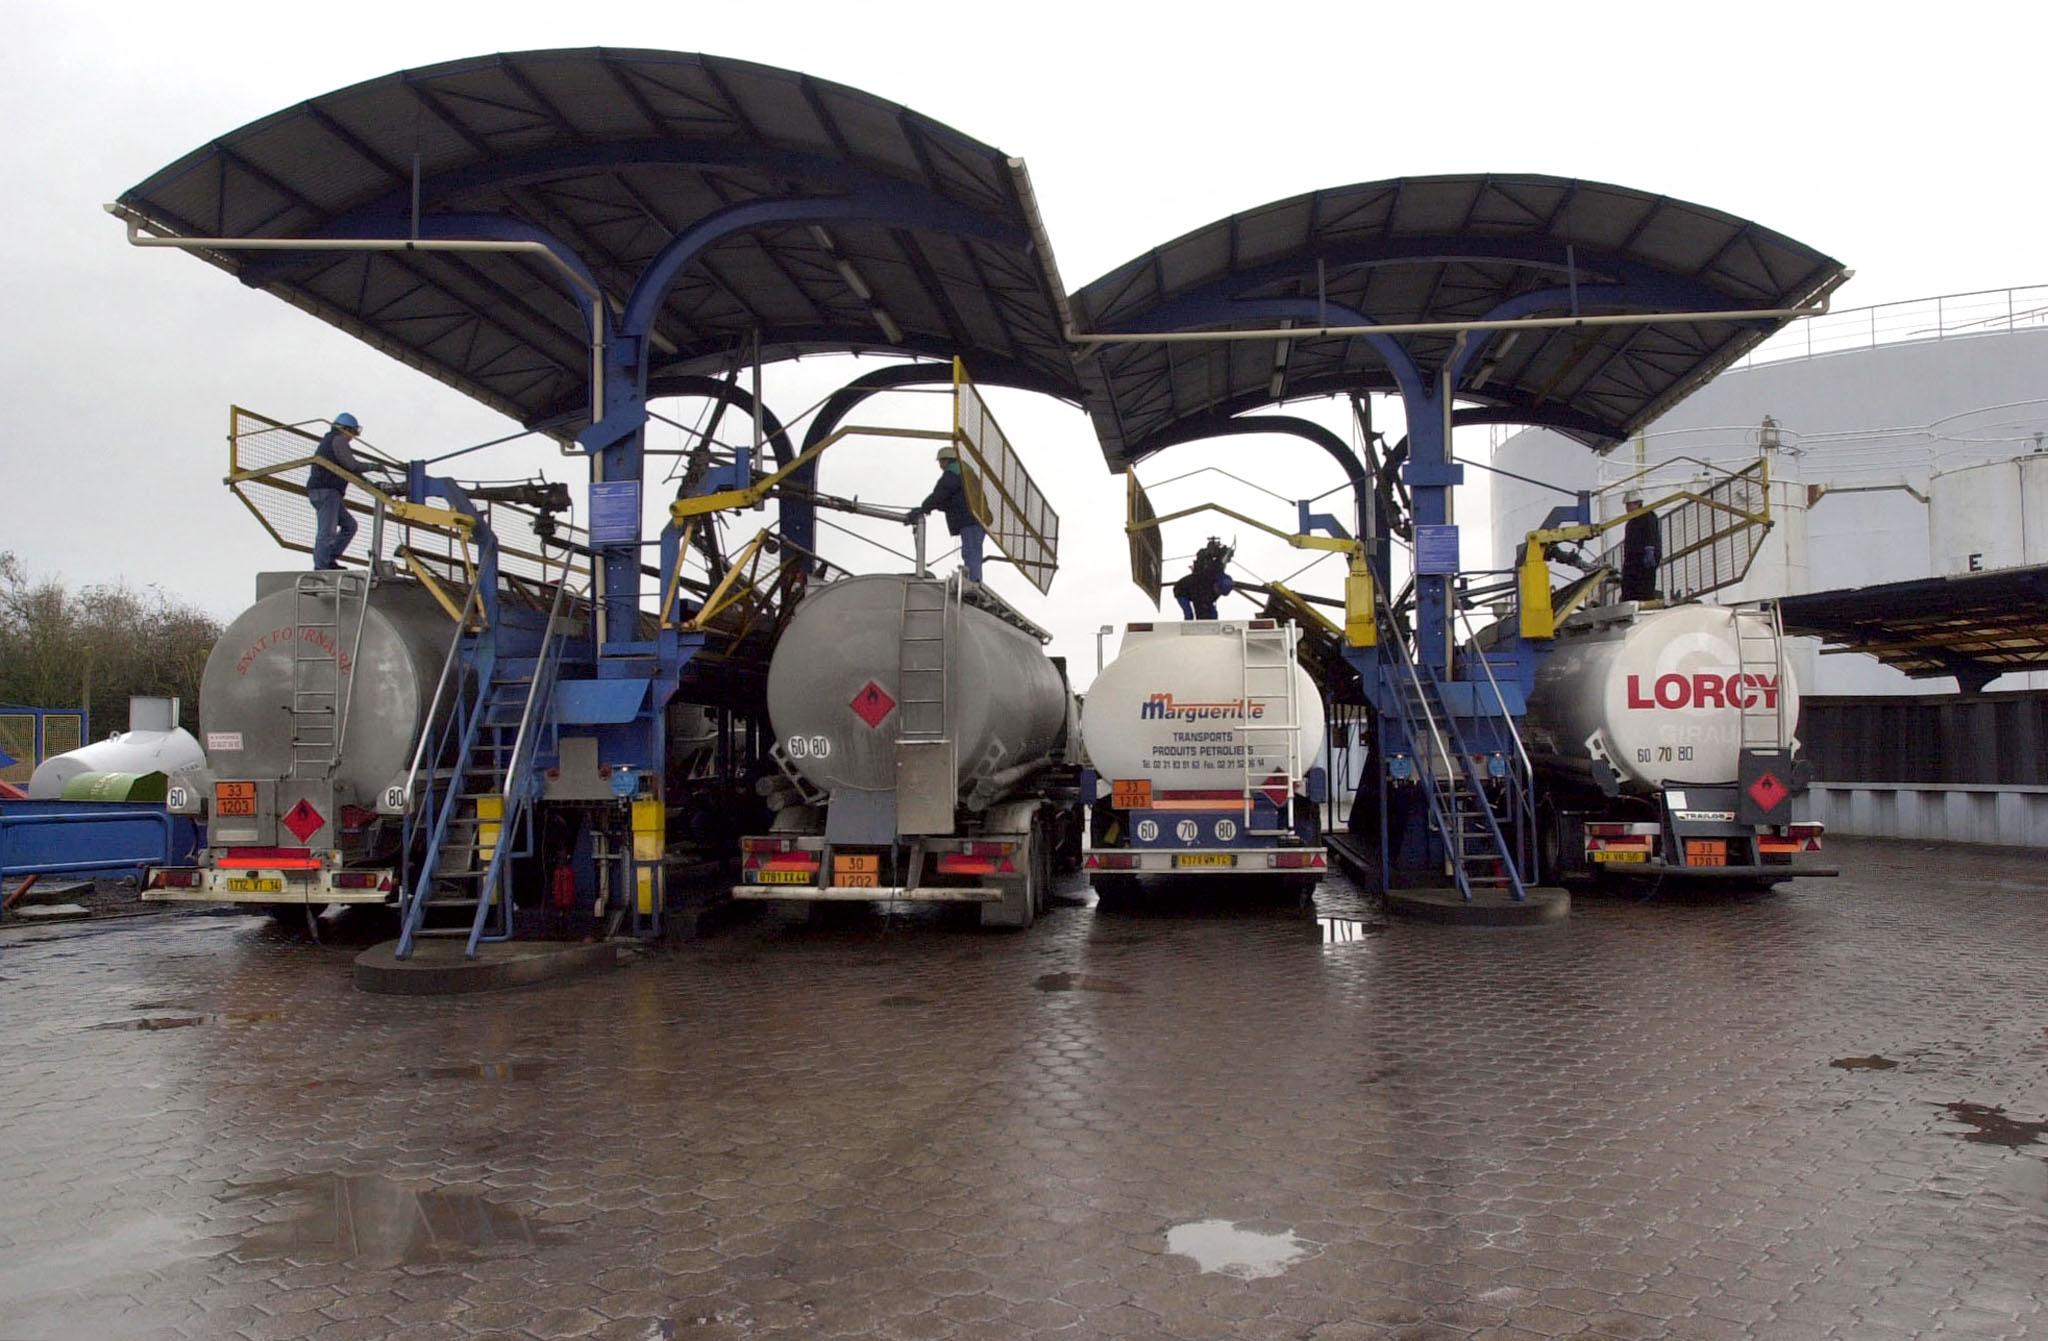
x,y
1993,1127
484,1071
905,1001
1344,930
1220,1247
378,1221
152,1023
1081,982
1870,1063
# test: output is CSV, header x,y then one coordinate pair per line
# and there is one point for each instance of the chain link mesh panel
x,y
1022,524
1709,541
63,732
18,743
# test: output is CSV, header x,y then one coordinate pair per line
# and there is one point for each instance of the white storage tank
x,y
1169,709
1989,516
153,743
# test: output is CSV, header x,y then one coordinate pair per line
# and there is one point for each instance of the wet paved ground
x,y
1811,1114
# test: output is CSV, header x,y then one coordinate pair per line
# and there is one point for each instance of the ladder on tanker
x,y
1760,659
325,645
1481,851
1269,729
921,665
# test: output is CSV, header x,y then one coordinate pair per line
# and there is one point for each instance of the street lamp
x,y
1100,634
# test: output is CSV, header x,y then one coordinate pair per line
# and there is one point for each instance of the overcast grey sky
x,y
1906,143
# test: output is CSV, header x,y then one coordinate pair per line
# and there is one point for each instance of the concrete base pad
x,y
1545,904
438,966
52,912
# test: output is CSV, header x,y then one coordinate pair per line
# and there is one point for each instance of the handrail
x,y
1465,619
533,688
440,687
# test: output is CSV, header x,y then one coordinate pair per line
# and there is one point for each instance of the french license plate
x,y
1622,855
255,885
234,798
1205,859
785,877
1706,852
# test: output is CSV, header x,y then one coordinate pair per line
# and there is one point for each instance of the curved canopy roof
x,y
1439,249
615,153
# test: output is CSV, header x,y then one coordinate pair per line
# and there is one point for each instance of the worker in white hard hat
x,y
957,497
333,527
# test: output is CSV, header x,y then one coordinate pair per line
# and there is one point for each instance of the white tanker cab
x,y
1202,737
928,753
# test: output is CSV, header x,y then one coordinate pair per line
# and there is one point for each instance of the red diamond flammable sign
x,y
303,820
1274,789
872,704
1767,791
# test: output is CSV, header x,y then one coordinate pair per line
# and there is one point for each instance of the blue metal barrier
x,y
80,837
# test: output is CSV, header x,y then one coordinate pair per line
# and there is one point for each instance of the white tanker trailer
x,y
1638,727
927,747
1202,738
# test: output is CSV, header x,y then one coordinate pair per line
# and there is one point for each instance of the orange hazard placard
x,y
1131,794
234,798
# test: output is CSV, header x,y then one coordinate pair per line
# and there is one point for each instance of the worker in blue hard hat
x,y
957,497
333,527
1206,582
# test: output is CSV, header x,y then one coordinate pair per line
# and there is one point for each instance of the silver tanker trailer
x,y
1659,736
926,745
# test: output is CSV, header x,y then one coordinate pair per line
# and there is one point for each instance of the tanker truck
x,y
1202,737
1663,745
926,747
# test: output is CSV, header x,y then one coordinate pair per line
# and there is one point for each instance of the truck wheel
x,y
1021,896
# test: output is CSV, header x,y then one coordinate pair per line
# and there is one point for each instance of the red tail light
x,y
175,879
1137,628
355,879
990,849
1296,860
766,844
954,863
1113,861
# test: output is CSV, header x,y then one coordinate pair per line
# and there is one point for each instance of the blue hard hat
x,y
346,420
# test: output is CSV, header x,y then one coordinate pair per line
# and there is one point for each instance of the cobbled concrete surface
x,y
1809,1114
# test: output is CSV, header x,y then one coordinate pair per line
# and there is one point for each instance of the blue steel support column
x,y
1431,475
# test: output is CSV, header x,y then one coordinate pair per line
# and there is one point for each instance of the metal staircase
x,y
1486,823
474,814
323,673
1271,738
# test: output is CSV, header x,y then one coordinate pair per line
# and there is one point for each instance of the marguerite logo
x,y
1162,708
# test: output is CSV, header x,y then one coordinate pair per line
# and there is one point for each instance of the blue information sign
x,y
1436,549
615,512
